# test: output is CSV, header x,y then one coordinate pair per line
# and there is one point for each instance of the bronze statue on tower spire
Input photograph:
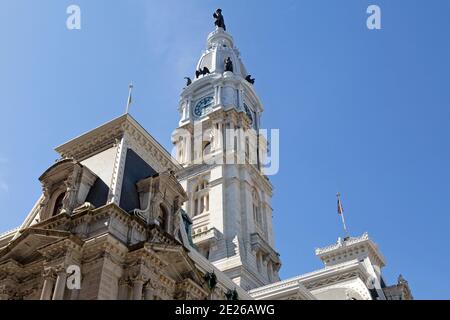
x,y
220,22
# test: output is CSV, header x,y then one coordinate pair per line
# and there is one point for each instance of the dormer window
x,y
66,185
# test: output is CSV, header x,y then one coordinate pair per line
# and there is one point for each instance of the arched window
x,y
201,198
58,204
257,216
206,149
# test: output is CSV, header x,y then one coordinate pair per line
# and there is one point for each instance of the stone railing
x,y
341,243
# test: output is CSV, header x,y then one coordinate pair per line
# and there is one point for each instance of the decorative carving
x,y
85,206
211,280
232,295
139,277
176,223
49,273
46,195
124,281
6,292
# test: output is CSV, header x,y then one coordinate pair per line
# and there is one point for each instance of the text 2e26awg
x,y
225,309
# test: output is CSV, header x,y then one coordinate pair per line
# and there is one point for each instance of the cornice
x,y
350,245
315,279
94,140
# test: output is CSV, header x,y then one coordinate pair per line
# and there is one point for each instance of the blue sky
x,y
362,112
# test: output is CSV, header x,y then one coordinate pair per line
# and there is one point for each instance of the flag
x,y
340,209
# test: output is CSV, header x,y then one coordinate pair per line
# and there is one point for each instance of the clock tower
x,y
219,145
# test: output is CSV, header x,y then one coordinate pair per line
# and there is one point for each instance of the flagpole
x,y
130,87
341,213
345,226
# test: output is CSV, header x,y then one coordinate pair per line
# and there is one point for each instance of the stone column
x,y
219,95
269,270
216,94
74,294
58,293
149,291
220,136
189,106
138,284
123,289
49,282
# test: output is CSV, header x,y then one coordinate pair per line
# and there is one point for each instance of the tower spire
x,y
219,125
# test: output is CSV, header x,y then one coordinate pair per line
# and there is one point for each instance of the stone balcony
x,y
208,236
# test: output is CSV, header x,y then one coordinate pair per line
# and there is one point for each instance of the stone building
x,y
141,224
112,206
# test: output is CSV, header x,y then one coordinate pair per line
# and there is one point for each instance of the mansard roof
x,y
106,136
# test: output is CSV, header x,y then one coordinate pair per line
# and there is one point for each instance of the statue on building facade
x,y
228,64
188,81
220,22
203,72
250,79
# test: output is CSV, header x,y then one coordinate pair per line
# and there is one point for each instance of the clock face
x,y
248,113
203,106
